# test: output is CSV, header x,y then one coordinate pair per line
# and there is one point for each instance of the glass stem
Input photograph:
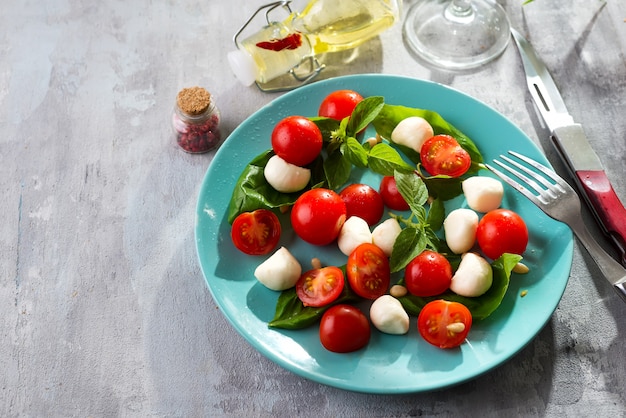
x,y
460,11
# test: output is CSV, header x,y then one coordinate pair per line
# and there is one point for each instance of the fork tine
x,y
525,178
514,184
559,181
540,179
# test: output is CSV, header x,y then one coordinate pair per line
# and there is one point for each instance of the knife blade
x,y
569,139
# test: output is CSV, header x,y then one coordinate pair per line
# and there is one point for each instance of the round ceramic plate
x,y
389,364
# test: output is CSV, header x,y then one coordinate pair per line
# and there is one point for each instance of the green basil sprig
x,y
419,231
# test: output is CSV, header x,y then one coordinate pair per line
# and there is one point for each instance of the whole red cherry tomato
x,y
297,140
502,231
363,201
318,215
344,328
390,194
339,104
321,286
368,271
428,274
444,324
442,154
256,232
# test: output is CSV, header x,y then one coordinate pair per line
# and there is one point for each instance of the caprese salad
x,y
446,269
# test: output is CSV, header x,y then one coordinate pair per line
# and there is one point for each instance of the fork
x,y
559,201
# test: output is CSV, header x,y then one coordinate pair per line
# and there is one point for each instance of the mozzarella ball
x,y
385,234
460,230
280,271
354,232
286,177
412,132
483,193
388,315
473,277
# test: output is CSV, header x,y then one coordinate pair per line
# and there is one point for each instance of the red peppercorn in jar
x,y
196,120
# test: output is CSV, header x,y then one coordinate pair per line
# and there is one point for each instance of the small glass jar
x,y
196,121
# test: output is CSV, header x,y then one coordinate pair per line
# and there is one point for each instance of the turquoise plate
x,y
389,364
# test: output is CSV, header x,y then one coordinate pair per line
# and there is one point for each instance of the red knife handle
x,y
606,205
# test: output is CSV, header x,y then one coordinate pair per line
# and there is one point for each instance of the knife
x,y
573,147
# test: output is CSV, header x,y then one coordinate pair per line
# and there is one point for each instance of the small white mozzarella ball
x,y
412,132
354,232
286,177
280,271
460,230
483,193
473,277
385,234
388,315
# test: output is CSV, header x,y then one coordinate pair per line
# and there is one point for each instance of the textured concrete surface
x,y
103,308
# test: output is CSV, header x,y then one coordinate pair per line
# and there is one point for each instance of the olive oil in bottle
x,y
323,26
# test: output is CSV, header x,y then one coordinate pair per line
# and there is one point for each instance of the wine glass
x,y
457,34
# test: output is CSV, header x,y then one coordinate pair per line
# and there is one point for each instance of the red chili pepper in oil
x,y
293,41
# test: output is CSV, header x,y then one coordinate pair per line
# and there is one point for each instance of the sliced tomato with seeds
x,y
444,324
320,287
256,233
443,155
368,271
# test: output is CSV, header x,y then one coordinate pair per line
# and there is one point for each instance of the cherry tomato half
x,y
339,104
318,215
363,201
256,232
297,140
344,328
319,287
442,154
502,231
390,194
428,274
368,271
444,324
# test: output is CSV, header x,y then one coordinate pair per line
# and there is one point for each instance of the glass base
x,y
457,35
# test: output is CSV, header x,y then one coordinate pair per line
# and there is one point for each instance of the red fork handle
x,y
606,205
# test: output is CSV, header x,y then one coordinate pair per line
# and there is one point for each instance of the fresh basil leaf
x,y
364,113
384,159
337,169
354,152
480,307
326,126
506,262
253,192
341,132
413,190
409,244
292,314
436,214
409,152
444,188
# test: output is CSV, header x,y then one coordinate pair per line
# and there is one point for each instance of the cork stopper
x,y
193,100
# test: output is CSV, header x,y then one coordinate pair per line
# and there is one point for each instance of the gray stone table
x,y
103,307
